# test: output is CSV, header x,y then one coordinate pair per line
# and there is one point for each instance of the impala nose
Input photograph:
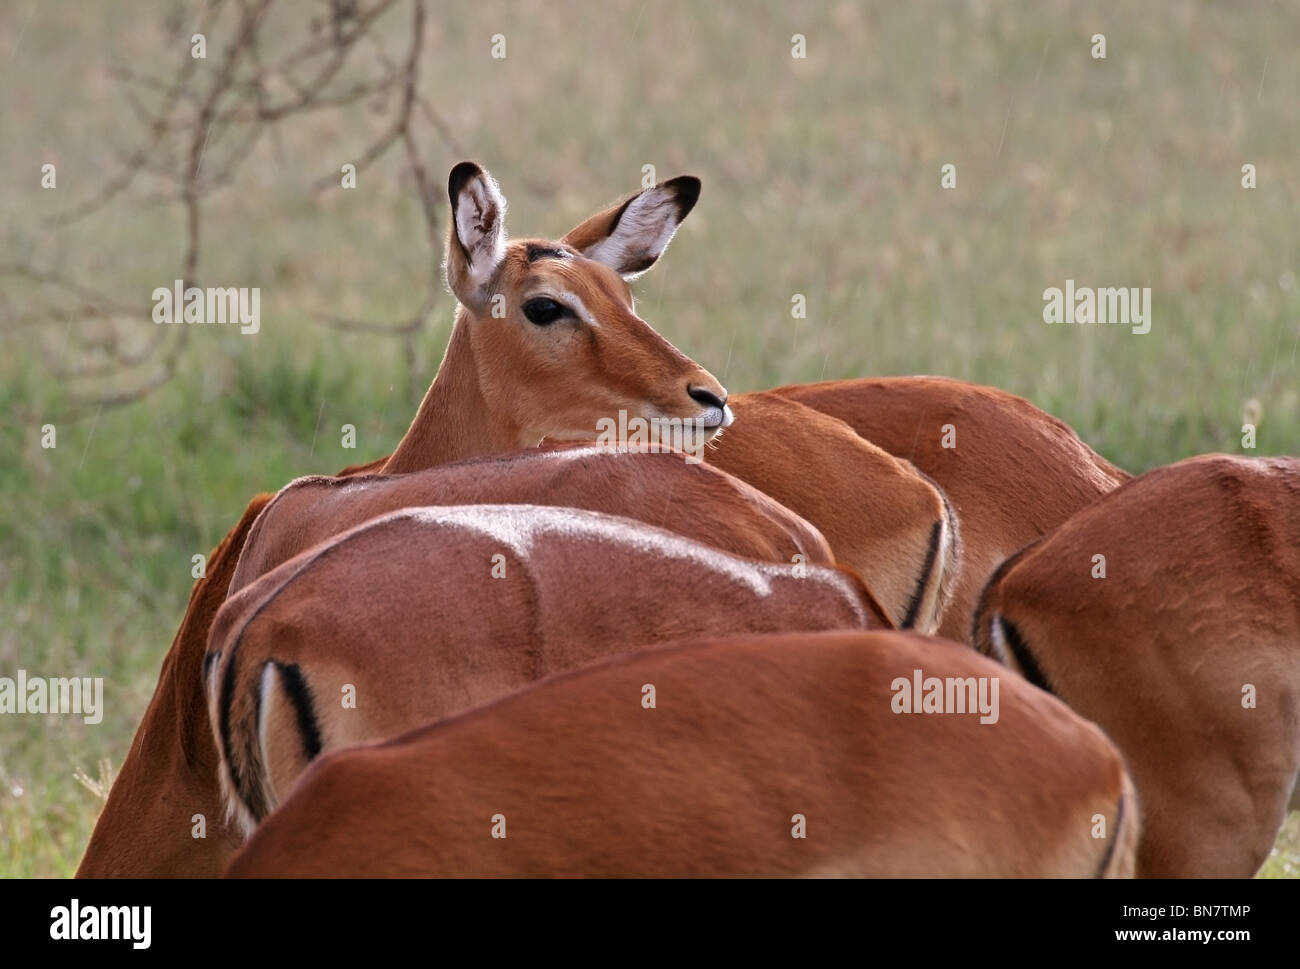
x,y
717,414
707,397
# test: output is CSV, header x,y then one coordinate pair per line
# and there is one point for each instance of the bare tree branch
x,y
196,131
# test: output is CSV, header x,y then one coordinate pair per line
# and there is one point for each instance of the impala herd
x,y
508,650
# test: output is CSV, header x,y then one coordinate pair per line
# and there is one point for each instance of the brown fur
x,y
506,383
1015,474
879,515
170,772
660,489
877,512
746,733
1201,596
435,631
503,384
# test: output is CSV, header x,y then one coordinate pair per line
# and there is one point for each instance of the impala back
x,y
755,755
426,612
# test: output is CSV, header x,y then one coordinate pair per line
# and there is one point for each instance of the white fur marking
x,y
519,525
479,199
572,301
1000,651
265,688
646,228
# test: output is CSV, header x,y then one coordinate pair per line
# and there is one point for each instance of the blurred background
x,y
821,177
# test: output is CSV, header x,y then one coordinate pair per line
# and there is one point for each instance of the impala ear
x,y
478,232
631,236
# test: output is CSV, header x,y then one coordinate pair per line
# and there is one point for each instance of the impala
x,y
545,344
766,755
571,354
506,381
1169,614
659,489
1011,471
464,603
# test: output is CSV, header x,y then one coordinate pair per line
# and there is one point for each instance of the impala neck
x,y
454,421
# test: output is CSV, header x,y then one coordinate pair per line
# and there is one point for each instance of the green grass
x,y
821,177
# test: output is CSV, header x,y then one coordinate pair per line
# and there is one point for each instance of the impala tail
x,y
939,572
1120,857
995,634
264,716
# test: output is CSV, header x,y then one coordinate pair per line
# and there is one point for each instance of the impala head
x,y
557,343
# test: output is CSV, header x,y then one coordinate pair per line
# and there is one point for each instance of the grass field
x,y
821,177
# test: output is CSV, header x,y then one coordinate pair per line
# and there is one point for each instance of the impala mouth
x,y
716,418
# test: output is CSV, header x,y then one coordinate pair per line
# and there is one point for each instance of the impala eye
x,y
544,311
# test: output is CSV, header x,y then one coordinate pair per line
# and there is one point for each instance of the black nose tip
x,y
707,397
